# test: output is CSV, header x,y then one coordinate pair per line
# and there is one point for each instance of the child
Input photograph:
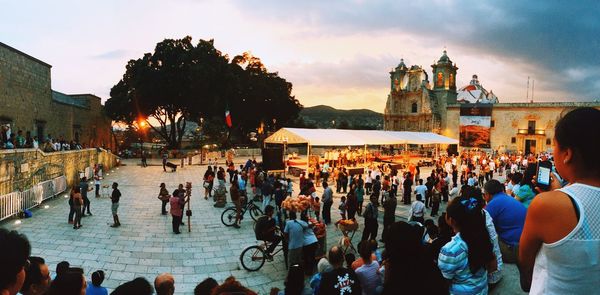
x,y
342,207
316,206
95,286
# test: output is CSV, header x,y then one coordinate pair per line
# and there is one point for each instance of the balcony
x,y
531,131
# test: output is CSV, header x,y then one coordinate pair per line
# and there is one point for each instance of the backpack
x,y
260,228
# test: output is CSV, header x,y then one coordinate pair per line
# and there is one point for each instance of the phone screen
x,y
543,176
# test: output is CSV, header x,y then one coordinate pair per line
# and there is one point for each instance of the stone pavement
x,y
145,246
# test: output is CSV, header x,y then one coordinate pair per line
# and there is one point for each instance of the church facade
x,y
416,103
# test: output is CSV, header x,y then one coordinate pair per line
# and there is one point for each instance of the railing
x,y
15,202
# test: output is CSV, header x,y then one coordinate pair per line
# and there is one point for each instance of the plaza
x,y
145,245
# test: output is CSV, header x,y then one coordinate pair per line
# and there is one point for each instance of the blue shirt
x,y
309,236
454,265
93,290
508,215
295,231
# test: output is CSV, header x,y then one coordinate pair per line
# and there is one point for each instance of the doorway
x,y
529,146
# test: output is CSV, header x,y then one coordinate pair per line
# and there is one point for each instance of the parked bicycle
x,y
253,258
228,216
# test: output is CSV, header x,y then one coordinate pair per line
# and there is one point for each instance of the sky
x,y
337,53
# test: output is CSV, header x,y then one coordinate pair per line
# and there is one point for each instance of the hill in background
x,y
323,116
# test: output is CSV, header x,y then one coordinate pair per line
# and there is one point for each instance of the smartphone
x,y
544,168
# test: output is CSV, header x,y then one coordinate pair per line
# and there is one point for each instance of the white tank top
x,y
572,264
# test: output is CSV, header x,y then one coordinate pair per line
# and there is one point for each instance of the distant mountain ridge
x,y
322,116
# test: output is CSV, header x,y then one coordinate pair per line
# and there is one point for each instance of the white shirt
x,y
417,209
454,161
453,193
570,265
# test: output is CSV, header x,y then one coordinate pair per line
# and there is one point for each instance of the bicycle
x,y
253,258
229,215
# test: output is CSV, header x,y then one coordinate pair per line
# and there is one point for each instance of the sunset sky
x,y
336,53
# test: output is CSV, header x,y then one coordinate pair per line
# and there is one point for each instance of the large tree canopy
x,y
181,82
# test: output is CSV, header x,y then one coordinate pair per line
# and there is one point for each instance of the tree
x,y
181,82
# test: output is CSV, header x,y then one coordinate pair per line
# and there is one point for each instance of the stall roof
x,y
344,137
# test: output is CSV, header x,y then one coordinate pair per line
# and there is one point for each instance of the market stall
x,y
352,138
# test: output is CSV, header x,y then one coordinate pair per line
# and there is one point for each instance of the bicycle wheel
x,y
252,258
228,216
255,212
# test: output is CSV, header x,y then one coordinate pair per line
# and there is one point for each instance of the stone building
x,y
29,104
525,127
414,104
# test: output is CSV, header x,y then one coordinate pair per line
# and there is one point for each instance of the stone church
x,y
416,103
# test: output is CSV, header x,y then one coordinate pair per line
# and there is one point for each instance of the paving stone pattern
x,y
145,246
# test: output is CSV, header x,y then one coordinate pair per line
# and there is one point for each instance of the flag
x,y
228,118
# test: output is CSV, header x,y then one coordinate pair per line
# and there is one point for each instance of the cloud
x,y
113,54
551,37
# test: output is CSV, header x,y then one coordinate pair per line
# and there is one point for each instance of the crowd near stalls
x,y
463,250
20,140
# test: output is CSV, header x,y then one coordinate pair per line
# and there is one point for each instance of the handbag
x,y
206,184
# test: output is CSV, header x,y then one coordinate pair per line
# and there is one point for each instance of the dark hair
x,y
69,283
365,251
493,187
517,177
466,211
443,228
76,189
61,268
567,133
269,208
335,256
349,257
139,286
97,278
205,287
294,283
14,251
529,174
33,275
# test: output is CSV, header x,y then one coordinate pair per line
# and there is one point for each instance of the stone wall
x,y
25,93
29,104
22,168
508,118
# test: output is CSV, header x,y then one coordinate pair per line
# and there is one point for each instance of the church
x,y
471,113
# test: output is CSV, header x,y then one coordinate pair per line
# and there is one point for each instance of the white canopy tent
x,y
344,137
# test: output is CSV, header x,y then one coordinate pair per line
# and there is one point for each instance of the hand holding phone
x,y
544,170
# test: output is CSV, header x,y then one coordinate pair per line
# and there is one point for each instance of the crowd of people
x,y
552,235
29,275
48,144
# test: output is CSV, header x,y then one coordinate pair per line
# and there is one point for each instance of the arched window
x,y
413,107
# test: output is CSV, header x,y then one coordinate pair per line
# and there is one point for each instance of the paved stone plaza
x,y
145,246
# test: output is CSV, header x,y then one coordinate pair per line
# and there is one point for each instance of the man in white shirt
x,y
421,189
417,210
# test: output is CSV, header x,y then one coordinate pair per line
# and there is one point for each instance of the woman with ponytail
x,y
466,259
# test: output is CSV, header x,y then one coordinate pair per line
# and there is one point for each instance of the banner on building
x,y
475,123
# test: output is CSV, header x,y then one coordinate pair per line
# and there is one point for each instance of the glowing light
x,y
66,196
107,174
18,222
47,206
